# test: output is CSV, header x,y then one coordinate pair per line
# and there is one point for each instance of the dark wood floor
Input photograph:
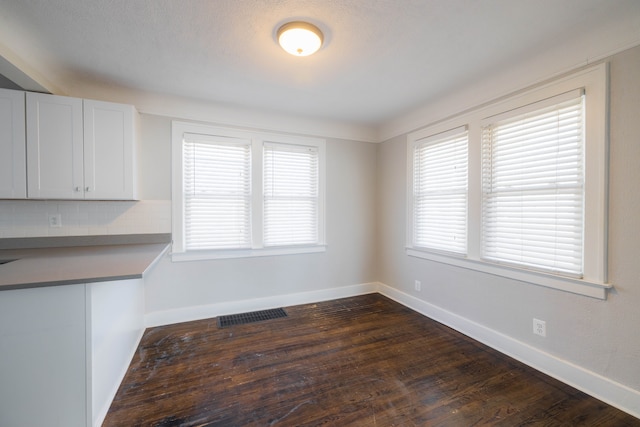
x,y
362,361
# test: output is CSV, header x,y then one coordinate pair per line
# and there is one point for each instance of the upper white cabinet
x,y
13,165
79,149
54,147
109,150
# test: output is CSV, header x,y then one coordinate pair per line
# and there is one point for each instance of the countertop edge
x,y
79,241
36,285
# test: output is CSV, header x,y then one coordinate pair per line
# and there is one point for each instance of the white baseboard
x,y
607,390
602,388
187,314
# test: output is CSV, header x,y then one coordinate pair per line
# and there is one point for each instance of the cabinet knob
x,y
77,189
87,189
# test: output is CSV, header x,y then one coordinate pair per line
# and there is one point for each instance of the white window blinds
x,y
440,192
217,192
290,194
533,186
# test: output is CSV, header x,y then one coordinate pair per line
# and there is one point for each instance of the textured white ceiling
x,y
381,58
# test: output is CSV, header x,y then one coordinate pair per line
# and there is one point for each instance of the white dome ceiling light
x,y
300,38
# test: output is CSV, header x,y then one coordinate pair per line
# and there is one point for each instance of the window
x,y
241,193
290,194
440,191
533,186
217,192
536,186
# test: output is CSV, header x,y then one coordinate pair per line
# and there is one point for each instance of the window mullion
x,y
474,197
257,191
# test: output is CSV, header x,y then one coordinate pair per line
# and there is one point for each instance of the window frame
x,y
258,139
594,82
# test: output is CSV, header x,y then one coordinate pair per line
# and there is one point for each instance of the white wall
x,y
348,260
599,336
30,218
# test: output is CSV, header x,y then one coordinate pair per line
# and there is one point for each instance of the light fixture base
x,y
300,38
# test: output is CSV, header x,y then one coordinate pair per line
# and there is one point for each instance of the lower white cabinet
x,y
43,357
115,323
64,351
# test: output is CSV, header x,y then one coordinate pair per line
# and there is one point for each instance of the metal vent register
x,y
252,317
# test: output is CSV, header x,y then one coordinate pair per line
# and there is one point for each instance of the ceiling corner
x,y
16,70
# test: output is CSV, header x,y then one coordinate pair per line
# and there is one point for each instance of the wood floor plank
x,y
362,361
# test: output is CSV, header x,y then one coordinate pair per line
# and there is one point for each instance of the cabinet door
x,y
109,151
54,147
43,357
13,155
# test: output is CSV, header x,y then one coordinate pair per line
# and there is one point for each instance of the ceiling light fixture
x,y
300,38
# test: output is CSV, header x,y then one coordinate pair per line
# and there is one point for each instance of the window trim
x,y
257,138
594,81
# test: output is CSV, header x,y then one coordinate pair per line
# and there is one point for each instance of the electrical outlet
x,y
418,285
55,220
540,327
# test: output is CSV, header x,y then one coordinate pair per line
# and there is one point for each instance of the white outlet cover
x,y
418,285
55,221
540,327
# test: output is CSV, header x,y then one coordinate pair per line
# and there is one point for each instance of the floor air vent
x,y
254,316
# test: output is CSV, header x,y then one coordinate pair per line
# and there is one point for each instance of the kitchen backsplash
x,y
31,218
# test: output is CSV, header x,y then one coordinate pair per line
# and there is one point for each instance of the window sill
x,y
577,286
244,253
